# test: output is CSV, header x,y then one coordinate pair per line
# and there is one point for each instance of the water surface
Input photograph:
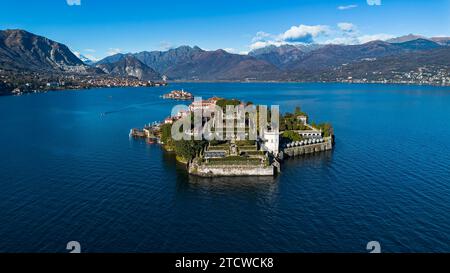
x,y
70,173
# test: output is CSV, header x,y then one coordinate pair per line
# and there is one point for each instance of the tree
x,y
166,133
326,127
224,102
298,112
188,149
291,136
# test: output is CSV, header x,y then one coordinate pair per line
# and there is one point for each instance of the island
x,y
179,95
238,154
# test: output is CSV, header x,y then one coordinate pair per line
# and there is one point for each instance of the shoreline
x,y
224,82
313,82
74,89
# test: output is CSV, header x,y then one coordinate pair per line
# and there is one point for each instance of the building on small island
x,y
179,95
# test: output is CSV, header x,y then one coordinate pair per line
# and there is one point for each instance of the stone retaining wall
x,y
213,171
308,149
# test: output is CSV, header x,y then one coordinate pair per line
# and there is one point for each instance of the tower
x,y
271,141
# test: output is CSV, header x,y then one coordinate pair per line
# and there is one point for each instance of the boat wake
x,y
133,107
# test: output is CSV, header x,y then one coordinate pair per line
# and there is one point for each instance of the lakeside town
x,y
238,154
440,77
19,83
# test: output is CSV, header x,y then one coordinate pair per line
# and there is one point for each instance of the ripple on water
x,y
79,176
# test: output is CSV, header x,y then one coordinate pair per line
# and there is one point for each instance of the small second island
x,y
178,95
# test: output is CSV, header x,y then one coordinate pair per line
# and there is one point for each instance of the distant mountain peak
x,y
83,58
419,44
20,49
405,38
127,65
186,48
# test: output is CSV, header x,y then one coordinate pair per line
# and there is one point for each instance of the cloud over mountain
x,y
305,34
73,2
347,27
343,33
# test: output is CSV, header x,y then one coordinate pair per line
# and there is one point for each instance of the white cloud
x,y
346,27
262,36
304,33
90,50
347,7
368,38
73,2
235,51
262,44
295,35
113,51
343,41
164,46
374,2
344,33
231,50
92,57
87,56
356,40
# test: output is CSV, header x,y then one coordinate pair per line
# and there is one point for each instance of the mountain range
x,y
193,63
285,62
21,50
334,55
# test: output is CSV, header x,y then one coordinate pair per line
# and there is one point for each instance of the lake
x,y
70,173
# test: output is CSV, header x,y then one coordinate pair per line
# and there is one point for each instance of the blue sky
x,y
98,28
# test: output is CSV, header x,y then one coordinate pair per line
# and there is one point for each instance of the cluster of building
x,y
118,82
424,75
178,95
18,83
204,105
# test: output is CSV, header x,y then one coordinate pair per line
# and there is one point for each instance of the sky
x,y
98,28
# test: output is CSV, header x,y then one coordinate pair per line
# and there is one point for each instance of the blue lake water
x,y
69,173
